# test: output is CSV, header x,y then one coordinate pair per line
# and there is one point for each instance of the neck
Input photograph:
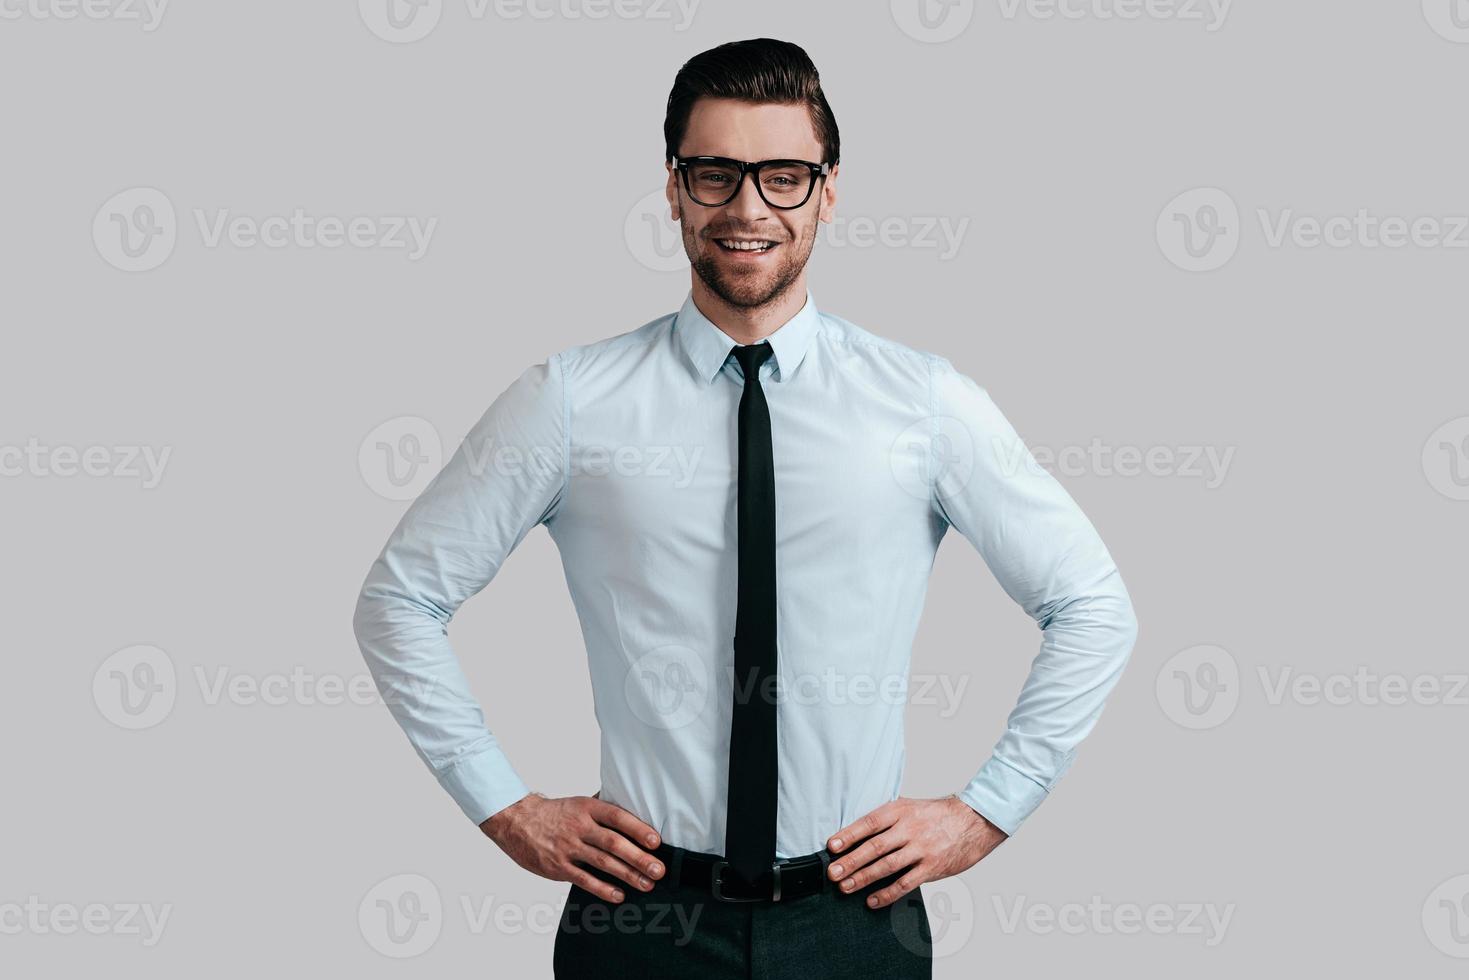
x,y
750,325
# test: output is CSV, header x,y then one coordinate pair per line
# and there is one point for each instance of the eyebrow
x,y
726,156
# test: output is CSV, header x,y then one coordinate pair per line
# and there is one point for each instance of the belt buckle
x,y
717,885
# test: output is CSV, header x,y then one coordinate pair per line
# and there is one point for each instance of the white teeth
x,y
744,246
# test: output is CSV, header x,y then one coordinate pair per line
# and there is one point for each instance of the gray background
x,y
1330,833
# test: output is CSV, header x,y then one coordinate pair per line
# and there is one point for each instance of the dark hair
x,y
760,69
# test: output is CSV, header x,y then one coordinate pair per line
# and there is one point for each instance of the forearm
x,y
406,647
1085,646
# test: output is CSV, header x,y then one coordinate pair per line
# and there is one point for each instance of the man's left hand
x,y
932,839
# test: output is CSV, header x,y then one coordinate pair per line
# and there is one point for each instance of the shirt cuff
x,y
483,784
1003,795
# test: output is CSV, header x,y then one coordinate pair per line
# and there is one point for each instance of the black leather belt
x,y
787,879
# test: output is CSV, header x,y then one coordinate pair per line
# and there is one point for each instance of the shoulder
x,y
934,373
635,343
840,332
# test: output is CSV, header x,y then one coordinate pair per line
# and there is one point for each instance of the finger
x,y
589,882
887,896
885,866
878,820
618,869
610,815
872,849
625,850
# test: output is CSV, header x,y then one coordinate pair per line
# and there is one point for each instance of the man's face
x,y
729,128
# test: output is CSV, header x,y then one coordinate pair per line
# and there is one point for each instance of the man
x,y
827,465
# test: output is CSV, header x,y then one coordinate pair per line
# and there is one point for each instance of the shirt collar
x,y
707,347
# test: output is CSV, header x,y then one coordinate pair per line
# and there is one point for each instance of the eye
x,y
713,176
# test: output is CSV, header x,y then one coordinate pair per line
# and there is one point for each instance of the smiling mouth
x,y
751,246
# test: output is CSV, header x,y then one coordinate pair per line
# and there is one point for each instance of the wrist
x,y
969,809
495,824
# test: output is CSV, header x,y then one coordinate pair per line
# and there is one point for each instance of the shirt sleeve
x,y
1050,560
506,476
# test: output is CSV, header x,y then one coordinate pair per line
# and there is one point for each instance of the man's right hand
x,y
556,838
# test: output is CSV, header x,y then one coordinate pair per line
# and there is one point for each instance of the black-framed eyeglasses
x,y
784,184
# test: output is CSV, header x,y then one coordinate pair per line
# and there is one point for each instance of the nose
x,y
747,203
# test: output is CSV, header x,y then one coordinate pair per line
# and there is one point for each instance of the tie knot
x,y
751,356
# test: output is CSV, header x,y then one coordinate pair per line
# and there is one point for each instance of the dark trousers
x,y
680,932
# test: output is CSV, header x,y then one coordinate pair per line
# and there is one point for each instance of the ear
x,y
670,189
829,195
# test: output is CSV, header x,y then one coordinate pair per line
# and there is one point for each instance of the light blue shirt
x,y
625,449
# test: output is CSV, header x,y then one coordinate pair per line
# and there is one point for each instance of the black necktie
x,y
750,831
